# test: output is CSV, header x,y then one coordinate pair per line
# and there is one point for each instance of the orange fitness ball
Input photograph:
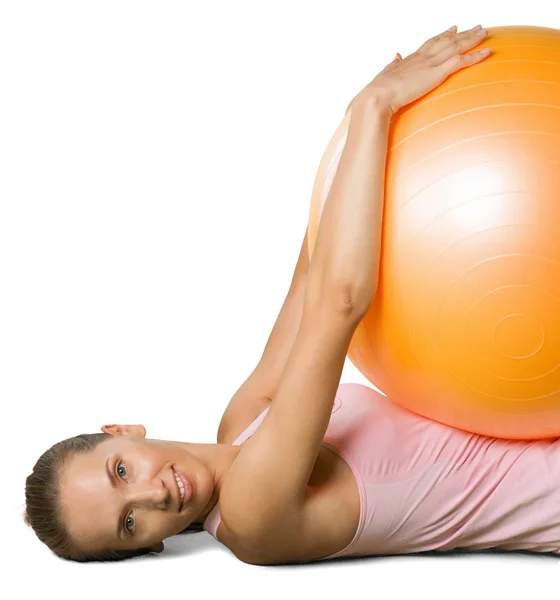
x,y
465,326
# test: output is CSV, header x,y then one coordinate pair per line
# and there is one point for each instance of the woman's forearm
x,y
348,246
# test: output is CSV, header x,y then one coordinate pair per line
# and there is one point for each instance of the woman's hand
x,y
404,80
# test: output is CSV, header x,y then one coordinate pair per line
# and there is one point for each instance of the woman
x,y
306,469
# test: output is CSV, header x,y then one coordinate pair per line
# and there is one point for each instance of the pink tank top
x,y
425,486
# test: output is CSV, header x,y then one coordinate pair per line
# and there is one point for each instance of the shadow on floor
x,y
185,544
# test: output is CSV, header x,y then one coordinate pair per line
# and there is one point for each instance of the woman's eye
x,y
129,523
121,470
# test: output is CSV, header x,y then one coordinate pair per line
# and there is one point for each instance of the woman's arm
x,y
281,454
260,386
352,217
348,247
283,334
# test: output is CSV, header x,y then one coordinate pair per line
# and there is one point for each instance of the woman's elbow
x,y
343,298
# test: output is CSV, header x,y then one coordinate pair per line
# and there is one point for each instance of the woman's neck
x,y
217,458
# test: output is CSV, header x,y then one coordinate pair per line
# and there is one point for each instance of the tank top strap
x,y
248,432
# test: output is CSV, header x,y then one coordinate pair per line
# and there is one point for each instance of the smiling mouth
x,y
180,489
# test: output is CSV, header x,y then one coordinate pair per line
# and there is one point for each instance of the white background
x,y
156,167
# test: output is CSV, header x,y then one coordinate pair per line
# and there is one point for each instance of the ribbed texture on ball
x,y
465,326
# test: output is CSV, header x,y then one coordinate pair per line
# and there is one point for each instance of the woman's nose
x,y
152,493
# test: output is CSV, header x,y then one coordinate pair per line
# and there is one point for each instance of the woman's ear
x,y
131,430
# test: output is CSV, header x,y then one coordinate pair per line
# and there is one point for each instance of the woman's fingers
x,y
458,44
459,61
448,40
454,55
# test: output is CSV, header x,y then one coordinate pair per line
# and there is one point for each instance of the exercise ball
x,y
464,328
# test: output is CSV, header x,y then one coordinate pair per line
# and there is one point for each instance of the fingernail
x,y
476,27
481,32
452,28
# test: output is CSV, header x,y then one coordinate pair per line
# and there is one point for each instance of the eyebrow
x,y
111,477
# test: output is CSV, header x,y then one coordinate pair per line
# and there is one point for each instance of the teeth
x,y
181,487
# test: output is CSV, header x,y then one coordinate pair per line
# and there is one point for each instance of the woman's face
x,y
123,495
